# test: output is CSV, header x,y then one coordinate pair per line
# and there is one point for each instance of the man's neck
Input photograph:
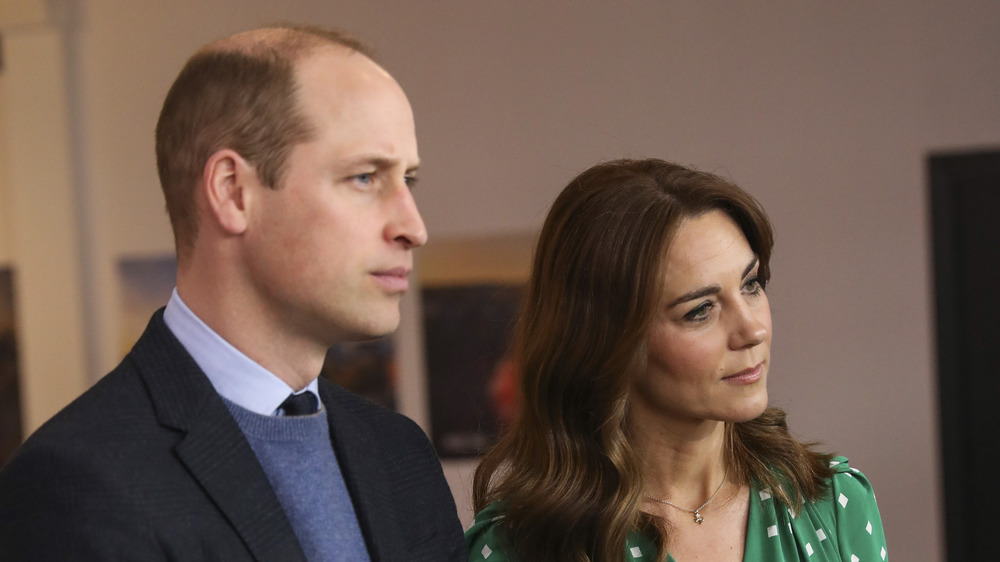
x,y
297,361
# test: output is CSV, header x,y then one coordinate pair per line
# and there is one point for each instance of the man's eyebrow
x,y
711,289
378,162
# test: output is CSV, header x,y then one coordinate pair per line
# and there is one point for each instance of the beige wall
x,y
825,112
14,15
40,232
5,220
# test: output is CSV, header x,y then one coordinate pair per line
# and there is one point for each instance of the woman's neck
x,y
683,465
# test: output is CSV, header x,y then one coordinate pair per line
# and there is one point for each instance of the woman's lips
x,y
747,376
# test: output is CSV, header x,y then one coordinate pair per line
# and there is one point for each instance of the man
x,y
286,156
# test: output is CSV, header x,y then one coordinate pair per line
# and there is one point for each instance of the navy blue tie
x,y
300,404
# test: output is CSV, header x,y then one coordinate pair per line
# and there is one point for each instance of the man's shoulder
x,y
114,410
116,414
112,400
358,409
385,454
359,421
76,448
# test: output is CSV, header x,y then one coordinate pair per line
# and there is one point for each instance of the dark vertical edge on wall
x,y
953,433
965,216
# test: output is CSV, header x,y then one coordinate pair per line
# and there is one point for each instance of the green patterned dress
x,y
844,525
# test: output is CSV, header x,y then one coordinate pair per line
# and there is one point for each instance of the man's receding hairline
x,y
290,42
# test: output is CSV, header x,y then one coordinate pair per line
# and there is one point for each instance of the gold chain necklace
x,y
698,518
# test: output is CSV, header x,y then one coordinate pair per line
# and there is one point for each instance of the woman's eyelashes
x,y
753,286
699,313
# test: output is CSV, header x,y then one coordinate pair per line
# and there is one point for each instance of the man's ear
x,y
226,178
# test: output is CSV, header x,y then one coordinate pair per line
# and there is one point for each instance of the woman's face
x,y
709,346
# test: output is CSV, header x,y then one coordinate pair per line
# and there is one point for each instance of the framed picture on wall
x,y
369,369
471,290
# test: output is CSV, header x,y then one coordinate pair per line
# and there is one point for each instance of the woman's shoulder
x,y
845,519
486,538
846,486
849,484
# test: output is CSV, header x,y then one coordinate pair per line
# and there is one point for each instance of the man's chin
x,y
372,331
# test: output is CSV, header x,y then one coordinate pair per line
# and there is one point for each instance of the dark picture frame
x,y
471,291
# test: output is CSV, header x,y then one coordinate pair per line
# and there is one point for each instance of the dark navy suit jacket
x,y
150,465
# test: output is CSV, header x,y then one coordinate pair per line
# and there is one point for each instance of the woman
x,y
643,431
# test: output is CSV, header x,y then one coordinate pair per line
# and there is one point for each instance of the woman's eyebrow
x,y
711,289
695,295
750,266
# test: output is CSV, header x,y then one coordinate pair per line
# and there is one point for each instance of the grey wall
x,y
825,112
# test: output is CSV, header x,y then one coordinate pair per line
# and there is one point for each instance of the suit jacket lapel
x,y
214,448
365,474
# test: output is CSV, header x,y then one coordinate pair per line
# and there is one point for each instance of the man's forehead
x,y
358,107
339,80
325,59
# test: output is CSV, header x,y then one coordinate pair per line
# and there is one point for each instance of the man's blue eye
x,y
364,178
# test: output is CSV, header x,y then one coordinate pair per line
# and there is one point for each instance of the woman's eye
x,y
699,313
753,286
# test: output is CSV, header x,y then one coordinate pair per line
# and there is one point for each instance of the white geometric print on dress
x,y
841,526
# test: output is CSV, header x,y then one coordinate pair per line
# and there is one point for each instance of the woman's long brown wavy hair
x,y
565,470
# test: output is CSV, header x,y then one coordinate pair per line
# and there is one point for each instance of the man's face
x,y
330,249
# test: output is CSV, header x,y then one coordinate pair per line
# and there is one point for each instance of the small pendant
x,y
698,518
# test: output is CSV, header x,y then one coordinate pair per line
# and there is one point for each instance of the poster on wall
x,y
10,402
471,378
471,290
366,368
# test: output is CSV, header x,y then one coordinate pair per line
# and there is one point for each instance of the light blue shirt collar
x,y
234,376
